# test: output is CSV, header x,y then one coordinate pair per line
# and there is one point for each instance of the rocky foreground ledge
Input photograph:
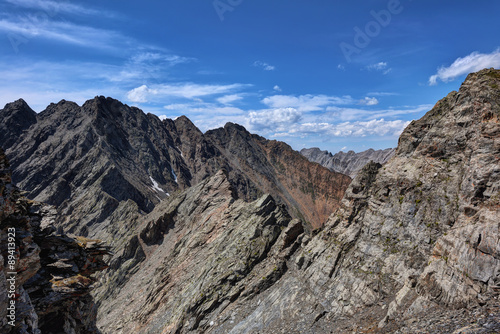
x,y
45,277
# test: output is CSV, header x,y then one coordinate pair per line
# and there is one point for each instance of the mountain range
x,y
228,232
349,163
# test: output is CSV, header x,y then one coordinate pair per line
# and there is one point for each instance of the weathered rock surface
x,y
52,271
193,256
349,163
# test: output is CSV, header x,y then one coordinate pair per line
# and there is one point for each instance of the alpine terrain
x,y
172,230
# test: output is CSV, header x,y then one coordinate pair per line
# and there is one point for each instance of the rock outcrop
x,y
349,163
46,276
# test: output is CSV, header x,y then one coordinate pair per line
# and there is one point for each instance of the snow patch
x,y
174,175
156,187
178,149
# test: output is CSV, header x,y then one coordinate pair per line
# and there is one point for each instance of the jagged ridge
x,y
349,163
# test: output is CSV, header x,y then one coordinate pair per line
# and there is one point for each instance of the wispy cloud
x,y
382,94
148,66
472,63
52,8
43,82
145,93
350,114
229,99
265,66
29,26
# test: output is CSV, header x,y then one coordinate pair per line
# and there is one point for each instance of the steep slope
x,y
45,277
349,163
193,256
104,162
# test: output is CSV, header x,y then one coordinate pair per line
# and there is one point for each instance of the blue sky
x,y
330,74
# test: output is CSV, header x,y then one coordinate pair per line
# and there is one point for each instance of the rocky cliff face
x,y
349,163
46,276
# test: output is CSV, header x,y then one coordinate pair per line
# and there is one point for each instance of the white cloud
x,y
228,99
305,103
265,66
472,63
379,67
41,83
369,101
146,57
180,90
341,67
140,94
382,94
277,88
273,118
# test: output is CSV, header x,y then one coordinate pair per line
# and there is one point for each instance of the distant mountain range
x,y
228,232
349,163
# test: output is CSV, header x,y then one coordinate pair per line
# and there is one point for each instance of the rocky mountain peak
x,y
16,118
